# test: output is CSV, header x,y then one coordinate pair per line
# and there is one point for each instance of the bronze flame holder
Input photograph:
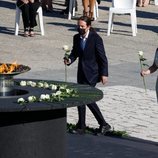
x,y
7,82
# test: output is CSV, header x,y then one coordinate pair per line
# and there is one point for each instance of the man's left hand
x,y
104,79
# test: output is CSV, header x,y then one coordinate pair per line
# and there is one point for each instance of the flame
x,y
8,68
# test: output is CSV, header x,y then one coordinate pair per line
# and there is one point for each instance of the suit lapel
x,y
78,45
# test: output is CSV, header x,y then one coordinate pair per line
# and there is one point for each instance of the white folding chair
x,y
123,7
156,2
72,5
40,19
96,12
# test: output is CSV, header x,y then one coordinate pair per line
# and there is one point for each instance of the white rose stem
x,y
65,73
143,76
66,68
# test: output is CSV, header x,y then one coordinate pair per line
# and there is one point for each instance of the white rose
x,y
31,98
62,87
43,97
21,100
40,84
68,90
45,85
53,86
29,83
23,83
66,48
33,84
140,53
47,96
58,93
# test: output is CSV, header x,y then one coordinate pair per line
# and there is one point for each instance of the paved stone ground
x,y
126,108
125,105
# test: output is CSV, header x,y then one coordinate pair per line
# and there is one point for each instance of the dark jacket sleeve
x,y
101,57
155,63
74,52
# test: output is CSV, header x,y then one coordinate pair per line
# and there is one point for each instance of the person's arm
x,y
104,79
102,60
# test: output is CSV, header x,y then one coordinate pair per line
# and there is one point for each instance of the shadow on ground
x,y
90,146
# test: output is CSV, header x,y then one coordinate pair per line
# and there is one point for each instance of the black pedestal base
x,y
33,134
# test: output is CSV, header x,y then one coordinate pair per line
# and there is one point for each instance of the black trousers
x,y
29,13
93,108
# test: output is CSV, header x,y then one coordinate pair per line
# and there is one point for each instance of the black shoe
x,y
78,131
99,1
76,6
104,129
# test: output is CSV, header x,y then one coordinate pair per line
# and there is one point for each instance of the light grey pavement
x,y
125,104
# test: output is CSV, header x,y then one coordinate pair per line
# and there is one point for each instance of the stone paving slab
x,y
126,108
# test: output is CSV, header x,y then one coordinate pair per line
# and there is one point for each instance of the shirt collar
x,y
85,36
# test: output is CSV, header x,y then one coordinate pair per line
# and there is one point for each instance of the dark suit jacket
x,y
92,62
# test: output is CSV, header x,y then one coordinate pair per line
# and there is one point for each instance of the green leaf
x,y
145,65
93,131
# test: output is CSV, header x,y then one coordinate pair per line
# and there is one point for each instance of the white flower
x,y
68,91
58,93
21,100
47,97
142,65
42,97
23,83
33,84
140,53
63,87
53,86
61,92
31,98
29,83
66,48
40,84
53,94
45,85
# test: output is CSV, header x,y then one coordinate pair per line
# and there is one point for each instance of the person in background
x,y
29,9
88,7
152,69
142,3
92,68
66,11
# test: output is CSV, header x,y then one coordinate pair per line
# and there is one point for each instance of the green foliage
x,y
94,131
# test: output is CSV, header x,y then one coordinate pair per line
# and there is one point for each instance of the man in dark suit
x,y
92,68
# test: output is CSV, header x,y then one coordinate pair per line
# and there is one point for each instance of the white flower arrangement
x,y
61,92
